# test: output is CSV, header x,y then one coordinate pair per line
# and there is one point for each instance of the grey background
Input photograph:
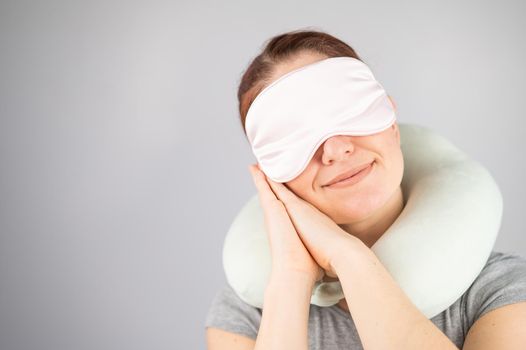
x,y
123,161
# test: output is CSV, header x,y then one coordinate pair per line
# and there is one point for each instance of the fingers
x,y
272,193
265,192
282,192
265,184
276,217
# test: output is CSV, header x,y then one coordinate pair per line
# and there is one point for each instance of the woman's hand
x,y
322,237
289,255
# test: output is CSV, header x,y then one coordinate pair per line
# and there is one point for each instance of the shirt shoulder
x,y
501,282
230,313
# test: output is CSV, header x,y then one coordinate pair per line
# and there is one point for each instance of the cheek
x,y
301,188
397,165
378,190
394,161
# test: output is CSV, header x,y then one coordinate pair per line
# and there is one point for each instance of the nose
x,y
337,148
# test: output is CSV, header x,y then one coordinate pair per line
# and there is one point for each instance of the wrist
x,y
349,249
290,281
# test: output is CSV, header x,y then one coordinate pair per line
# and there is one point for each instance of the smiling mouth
x,y
351,180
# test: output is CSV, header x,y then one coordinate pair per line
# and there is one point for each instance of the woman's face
x,y
341,153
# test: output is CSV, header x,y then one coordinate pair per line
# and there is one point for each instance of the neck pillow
x,y
434,250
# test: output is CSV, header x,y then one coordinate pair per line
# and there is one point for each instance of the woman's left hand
x,y
322,237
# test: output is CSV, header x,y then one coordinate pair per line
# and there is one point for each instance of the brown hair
x,y
279,49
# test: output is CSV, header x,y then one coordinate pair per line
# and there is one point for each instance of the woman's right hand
x,y
289,255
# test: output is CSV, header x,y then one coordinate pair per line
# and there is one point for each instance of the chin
x,y
357,209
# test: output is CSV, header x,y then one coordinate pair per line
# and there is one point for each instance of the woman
x,y
317,224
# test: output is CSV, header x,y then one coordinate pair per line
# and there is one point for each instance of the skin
x,y
368,208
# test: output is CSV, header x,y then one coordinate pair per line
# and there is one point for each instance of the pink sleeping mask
x,y
294,115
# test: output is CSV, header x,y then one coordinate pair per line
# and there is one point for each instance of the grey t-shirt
x,y
501,282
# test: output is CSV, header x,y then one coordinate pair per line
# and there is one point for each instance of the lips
x,y
347,174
